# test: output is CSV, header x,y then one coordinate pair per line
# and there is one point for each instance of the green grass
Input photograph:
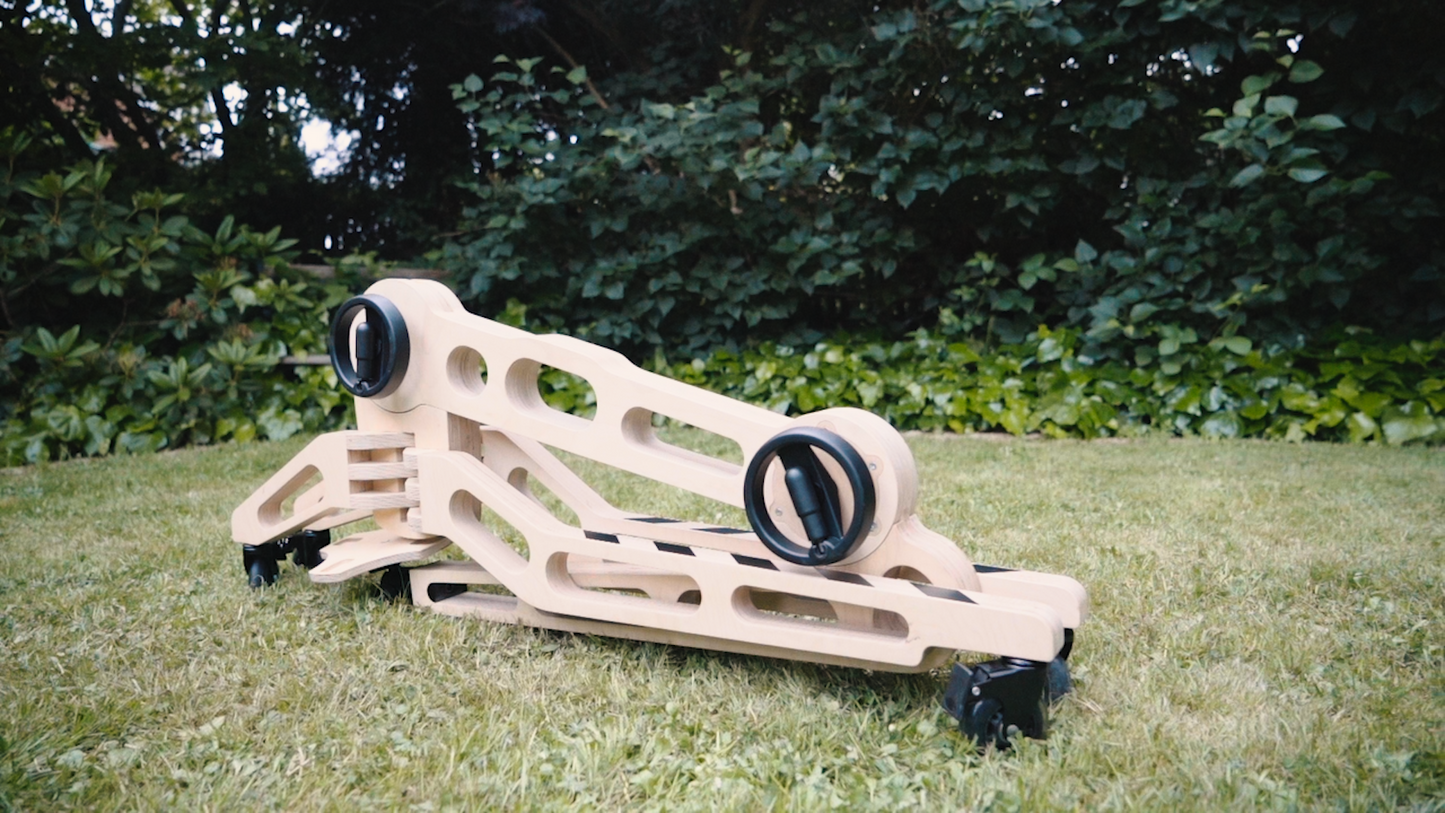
x,y
1267,633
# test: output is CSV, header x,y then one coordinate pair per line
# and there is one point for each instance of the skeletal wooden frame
x,y
451,421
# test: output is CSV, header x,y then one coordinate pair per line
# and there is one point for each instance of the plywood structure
x,y
445,453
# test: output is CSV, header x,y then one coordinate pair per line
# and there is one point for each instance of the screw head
x,y
976,692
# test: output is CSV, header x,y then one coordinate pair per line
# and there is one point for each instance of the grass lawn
x,y
1268,631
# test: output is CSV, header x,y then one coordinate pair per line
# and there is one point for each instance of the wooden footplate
x,y
454,437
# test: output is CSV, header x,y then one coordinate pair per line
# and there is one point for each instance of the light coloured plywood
x,y
466,429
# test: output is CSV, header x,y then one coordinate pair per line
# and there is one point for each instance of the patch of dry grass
x,y
1267,633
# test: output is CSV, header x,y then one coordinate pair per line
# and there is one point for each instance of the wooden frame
x,y
466,427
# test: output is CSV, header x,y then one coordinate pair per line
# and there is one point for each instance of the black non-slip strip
x,y
666,547
726,530
942,592
992,569
654,520
845,576
601,537
753,561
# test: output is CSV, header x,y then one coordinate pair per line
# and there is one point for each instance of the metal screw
x,y
873,529
976,692
873,467
777,512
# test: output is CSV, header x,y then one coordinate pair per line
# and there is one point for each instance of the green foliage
x,y
1355,388
206,98
129,329
1020,162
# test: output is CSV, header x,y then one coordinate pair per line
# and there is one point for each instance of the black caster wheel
x,y
306,548
988,723
992,699
1057,681
983,723
260,564
395,583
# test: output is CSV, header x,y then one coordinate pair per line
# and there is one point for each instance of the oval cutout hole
x,y
683,441
467,370
306,492
633,582
906,572
566,392
527,483
562,398
507,542
815,613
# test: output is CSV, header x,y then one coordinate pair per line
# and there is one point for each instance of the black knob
x,y
383,346
814,495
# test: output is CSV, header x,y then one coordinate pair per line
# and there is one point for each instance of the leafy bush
x,y
128,329
1125,171
1354,389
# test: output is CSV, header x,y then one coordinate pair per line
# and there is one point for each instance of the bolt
x,y
976,692
873,467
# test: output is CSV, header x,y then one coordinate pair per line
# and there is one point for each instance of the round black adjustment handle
x,y
383,347
814,495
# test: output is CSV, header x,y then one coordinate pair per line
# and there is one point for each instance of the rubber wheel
x,y
983,721
395,583
1057,682
262,573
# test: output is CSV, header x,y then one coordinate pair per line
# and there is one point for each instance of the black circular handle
x,y
383,347
814,495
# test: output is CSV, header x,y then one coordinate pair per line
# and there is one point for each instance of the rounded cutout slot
x,y
467,370
906,572
567,393
633,583
685,442
563,398
815,613
527,483
505,542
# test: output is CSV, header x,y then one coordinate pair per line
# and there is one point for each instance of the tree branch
x,y
223,112
591,88
184,12
118,17
121,95
30,83
749,22
608,32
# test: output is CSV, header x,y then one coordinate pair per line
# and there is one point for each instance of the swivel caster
x,y
395,583
260,563
1056,677
306,547
993,698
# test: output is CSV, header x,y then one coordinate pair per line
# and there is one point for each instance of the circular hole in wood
x,y
467,370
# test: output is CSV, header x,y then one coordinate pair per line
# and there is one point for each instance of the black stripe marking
x,y
992,569
846,577
601,537
942,592
654,520
725,530
753,561
667,547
